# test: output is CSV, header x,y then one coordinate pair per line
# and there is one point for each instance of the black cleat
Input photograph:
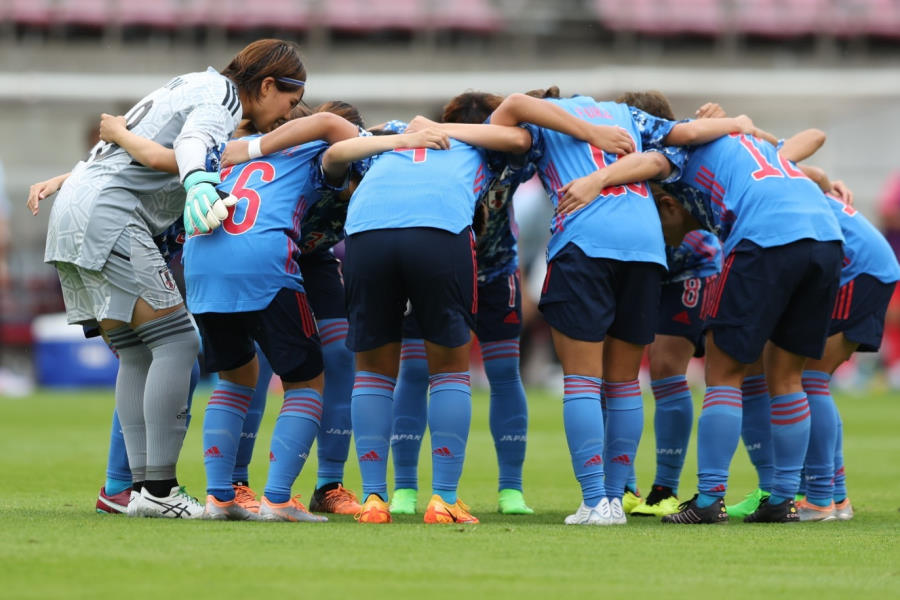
x,y
691,514
658,493
786,512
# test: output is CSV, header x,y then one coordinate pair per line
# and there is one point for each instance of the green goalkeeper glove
x,y
206,207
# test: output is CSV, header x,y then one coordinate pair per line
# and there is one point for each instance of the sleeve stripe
x,y
231,101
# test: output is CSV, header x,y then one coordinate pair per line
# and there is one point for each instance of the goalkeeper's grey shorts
x,y
134,269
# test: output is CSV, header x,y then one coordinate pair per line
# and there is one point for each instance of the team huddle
x,y
704,237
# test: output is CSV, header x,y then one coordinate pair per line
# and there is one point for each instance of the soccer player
x,y
782,262
601,291
100,240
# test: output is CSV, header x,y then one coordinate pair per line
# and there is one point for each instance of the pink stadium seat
x,y
90,13
662,16
153,13
879,17
28,12
368,15
467,15
781,18
278,14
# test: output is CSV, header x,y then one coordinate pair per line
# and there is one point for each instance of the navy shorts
x,y
432,268
285,331
784,294
499,309
679,310
859,311
589,298
324,284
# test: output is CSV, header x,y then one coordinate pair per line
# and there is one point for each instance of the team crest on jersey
x,y
167,280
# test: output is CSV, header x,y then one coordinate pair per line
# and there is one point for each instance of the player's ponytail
x,y
278,59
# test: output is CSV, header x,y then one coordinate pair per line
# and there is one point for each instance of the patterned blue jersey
x,y
622,223
865,249
699,255
417,187
740,188
241,265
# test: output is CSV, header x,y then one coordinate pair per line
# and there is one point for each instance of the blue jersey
x,y
417,187
699,255
242,265
865,249
740,188
622,223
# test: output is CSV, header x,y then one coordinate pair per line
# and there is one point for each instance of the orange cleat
x,y
439,511
338,500
246,498
374,510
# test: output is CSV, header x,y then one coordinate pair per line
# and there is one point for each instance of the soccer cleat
x,y
116,504
666,506
439,511
630,500
591,515
134,505
616,512
374,510
512,502
749,504
229,510
843,510
291,511
691,514
177,505
245,497
404,501
786,512
813,512
335,499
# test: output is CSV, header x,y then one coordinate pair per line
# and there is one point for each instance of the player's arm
x,y
43,189
701,131
820,178
801,146
325,126
519,108
501,138
638,166
147,152
338,158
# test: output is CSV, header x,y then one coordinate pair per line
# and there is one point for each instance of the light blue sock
x,y
756,430
252,420
583,422
624,424
718,432
819,468
222,426
410,416
790,439
840,477
370,412
672,423
333,444
118,475
509,410
295,430
449,417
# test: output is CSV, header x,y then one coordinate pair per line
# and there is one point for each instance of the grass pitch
x,y
53,544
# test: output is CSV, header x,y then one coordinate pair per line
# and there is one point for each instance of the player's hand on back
x,y
710,110
236,152
612,139
431,138
745,124
843,192
578,193
111,126
419,123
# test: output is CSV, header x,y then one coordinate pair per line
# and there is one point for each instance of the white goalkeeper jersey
x,y
108,190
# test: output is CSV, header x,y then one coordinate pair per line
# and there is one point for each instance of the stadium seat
x,y
662,16
156,13
27,12
275,14
86,13
368,15
781,18
466,15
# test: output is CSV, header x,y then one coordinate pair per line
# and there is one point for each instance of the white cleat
x,y
292,511
217,510
587,515
177,505
134,505
617,513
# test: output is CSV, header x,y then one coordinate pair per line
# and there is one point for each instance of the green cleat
x,y
403,501
512,502
630,501
748,505
666,506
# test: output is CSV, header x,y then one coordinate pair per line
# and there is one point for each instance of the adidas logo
x,y
271,456
442,451
670,451
512,318
212,452
718,488
370,456
594,460
682,317
622,459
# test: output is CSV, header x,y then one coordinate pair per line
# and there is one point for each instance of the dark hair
x,y
301,110
550,92
266,58
342,109
651,101
470,107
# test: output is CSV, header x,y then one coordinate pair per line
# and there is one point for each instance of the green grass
x,y
53,545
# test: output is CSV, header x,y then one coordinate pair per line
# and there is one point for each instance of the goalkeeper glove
x,y
205,207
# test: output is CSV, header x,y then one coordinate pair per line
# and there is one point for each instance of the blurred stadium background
x,y
790,64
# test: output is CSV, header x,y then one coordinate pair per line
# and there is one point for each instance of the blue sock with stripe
x,y
819,467
718,432
509,410
370,413
252,421
333,444
672,423
222,424
583,422
410,414
756,430
624,424
295,430
449,417
118,474
790,439
840,476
